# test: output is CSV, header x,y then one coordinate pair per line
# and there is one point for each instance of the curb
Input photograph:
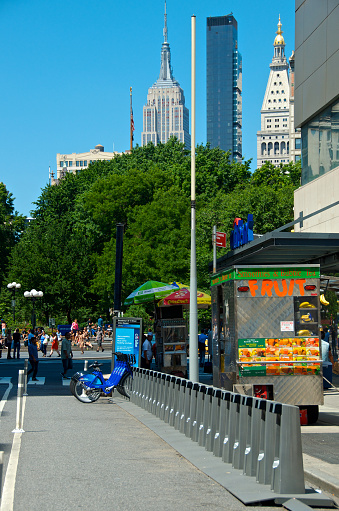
x,y
321,483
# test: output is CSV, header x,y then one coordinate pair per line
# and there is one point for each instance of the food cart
x,y
266,343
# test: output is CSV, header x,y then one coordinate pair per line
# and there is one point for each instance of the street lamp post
x,y
13,286
33,294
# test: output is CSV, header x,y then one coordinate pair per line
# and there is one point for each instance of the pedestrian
x,y
30,336
81,341
3,328
100,322
55,345
99,338
43,343
66,354
146,351
16,343
33,357
75,328
202,338
9,343
87,342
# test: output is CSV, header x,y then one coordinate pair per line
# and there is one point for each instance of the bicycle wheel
x,y
86,395
72,387
126,385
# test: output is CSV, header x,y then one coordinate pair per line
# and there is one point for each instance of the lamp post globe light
x,y
13,286
33,294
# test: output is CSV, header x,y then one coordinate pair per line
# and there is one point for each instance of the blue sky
x,y
67,66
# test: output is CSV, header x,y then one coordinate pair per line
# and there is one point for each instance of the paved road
x,y
76,456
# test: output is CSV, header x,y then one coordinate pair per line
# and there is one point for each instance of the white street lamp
x,y
33,294
13,286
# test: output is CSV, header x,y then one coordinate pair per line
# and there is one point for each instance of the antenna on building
x,y
165,25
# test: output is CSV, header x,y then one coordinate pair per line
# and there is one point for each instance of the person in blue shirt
x,y
202,346
33,358
30,336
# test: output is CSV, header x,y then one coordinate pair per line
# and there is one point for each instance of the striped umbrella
x,y
150,291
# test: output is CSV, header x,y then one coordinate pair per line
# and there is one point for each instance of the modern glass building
x,y
224,85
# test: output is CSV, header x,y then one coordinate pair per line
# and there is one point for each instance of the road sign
x,y
221,239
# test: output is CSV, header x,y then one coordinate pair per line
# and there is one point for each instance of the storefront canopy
x,y
276,248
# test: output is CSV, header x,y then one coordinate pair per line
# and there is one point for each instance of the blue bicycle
x,y
88,387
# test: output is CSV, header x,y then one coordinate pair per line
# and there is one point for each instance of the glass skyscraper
x,y
224,85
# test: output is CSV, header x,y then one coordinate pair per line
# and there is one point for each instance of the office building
x,y
165,114
317,113
277,133
75,162
224,85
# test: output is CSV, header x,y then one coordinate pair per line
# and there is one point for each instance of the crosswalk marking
x,y
40,381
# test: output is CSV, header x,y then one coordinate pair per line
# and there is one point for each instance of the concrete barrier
x,y
261,438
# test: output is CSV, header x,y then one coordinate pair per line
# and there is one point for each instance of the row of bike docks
x,y
258,437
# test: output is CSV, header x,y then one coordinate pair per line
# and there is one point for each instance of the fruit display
x,y
307,305
282,356
323,300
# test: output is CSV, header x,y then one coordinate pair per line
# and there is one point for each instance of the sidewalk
x,y
321,444
77,456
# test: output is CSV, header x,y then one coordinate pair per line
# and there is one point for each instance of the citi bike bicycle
x,y
88,387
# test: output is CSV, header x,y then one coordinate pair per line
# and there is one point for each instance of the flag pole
x,y
131,120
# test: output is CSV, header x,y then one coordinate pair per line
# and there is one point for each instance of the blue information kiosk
x,y
127,336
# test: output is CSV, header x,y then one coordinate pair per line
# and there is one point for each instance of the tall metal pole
x,y
118,267
214,243
193,322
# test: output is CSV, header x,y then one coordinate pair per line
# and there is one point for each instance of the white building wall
x,y
314,196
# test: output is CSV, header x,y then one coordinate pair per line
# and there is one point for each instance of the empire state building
x,y
165,114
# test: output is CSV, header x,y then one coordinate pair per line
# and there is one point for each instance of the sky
x,y
67,67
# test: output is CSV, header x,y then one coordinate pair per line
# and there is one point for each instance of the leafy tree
x,y
11,228
68,251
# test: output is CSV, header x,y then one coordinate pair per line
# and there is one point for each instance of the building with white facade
x,y
77,161
277,134
165,114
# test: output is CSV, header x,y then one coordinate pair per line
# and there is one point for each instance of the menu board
x,y
282,355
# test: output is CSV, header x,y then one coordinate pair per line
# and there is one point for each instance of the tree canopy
x,y
68,251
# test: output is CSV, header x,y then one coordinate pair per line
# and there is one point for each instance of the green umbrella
x,y
150,291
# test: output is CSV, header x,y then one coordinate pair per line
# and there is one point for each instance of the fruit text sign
x,y
276,287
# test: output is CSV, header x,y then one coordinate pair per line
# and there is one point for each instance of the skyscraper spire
x,y
166,73
165,25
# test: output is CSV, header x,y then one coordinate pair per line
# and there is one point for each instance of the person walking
x,y
16,343
75,328
146,351
99,338
66,354
9,343
44,342
55,345
33,358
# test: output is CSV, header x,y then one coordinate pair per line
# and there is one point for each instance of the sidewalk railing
x,y
261,438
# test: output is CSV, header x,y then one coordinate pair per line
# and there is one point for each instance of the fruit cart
x,y
266,343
